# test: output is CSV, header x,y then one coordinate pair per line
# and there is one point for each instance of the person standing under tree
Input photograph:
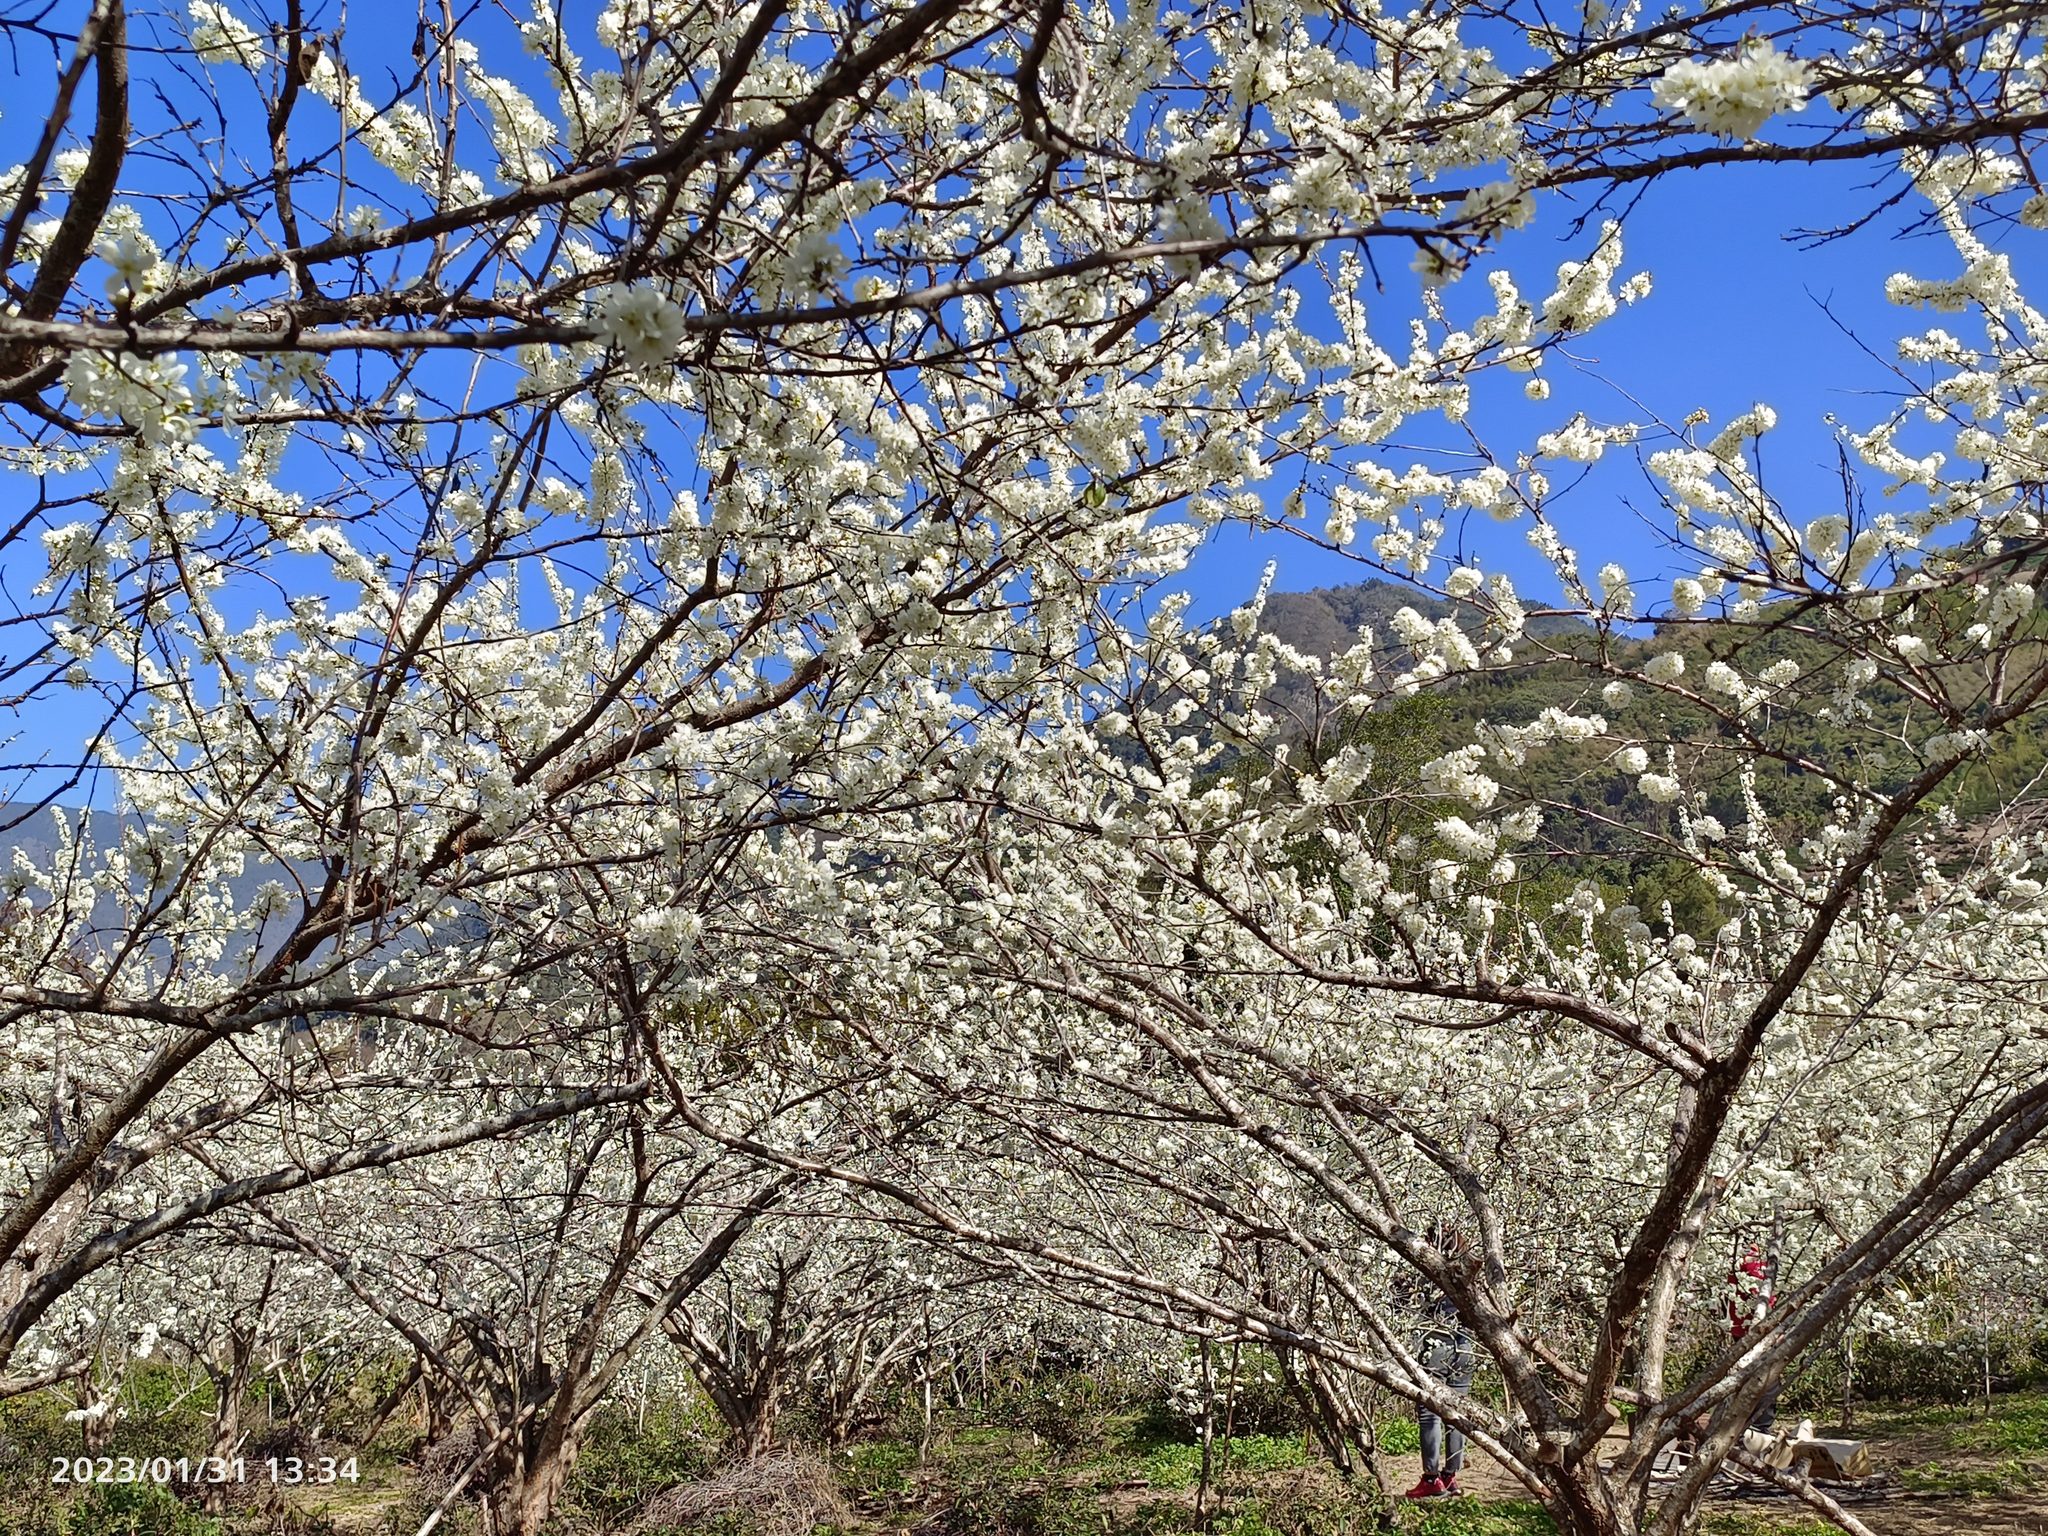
x,y
1444,1348
1751,1292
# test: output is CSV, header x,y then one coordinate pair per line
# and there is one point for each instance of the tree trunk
x,y
1345,1439
230,1381
1580,1505
747,1398
1848,1382
754,1434
532,1465
523,1502
390,1402
924,1434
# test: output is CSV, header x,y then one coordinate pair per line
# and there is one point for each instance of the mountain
x,y
1801,747
1326,620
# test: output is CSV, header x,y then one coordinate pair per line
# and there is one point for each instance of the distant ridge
x,y
1325,620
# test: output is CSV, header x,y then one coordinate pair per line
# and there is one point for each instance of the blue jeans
x,y
1447,1357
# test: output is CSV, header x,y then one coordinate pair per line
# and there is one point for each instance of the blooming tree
x,y
825,1310
1253,982
523,514
525,1286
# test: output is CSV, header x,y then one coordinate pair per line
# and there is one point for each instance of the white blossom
x,y
1722,678
642,322
1665,667
1658,787
1734,97
1465,841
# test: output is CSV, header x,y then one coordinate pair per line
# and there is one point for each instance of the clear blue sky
x,y
1735,317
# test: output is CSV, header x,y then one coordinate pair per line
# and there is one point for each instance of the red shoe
x,y
1428,1488
1447,1487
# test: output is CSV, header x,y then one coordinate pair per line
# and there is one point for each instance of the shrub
x,y
135,1509
1066,1410
1160,1517
1311,1507
993,1510
31,1510
1262,1405
1898,1370
155,1390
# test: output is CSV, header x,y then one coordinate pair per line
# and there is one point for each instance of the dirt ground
x,y
1894,1511
2023,1512
1928,1515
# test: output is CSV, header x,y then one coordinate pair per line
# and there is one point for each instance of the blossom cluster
x,y
1735,96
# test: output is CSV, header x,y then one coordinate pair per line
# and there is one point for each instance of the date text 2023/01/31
x,y
285,1471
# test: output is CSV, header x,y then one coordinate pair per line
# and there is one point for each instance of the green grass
x,y
2010,1476
1399,1437
878,1469
1168,1466
1525,1517
977,1434
2017,1408
1267,1453
2015,1428
1176,1464
1746,1522
1006,1456
2018,1426
1471,1517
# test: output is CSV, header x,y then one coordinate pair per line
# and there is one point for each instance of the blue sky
x,y
1735,317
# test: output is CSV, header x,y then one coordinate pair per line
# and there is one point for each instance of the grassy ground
x,y
1097,1473
1951,1469
1964,1468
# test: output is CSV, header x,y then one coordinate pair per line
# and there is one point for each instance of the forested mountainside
x,y
1810,744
